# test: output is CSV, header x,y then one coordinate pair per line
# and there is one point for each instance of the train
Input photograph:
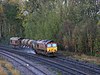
x,y
45,47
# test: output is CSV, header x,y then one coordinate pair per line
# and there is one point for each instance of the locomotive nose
x,y
51,49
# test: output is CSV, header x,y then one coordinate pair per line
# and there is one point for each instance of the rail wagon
x,y
32,43
15,41
24,42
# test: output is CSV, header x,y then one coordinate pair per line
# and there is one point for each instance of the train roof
x,y
44,41
15,38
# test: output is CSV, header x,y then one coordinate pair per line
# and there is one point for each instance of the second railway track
x,y
90,68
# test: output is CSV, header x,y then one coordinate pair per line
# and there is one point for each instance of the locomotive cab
x,y
46,47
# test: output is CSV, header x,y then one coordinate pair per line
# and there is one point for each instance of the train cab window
x,y
54,45
48,45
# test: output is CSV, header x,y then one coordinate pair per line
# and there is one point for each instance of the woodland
x,y
73,24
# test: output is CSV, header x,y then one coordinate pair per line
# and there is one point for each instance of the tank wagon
x,y
45,47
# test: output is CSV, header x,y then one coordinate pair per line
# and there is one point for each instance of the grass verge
x,y
6,68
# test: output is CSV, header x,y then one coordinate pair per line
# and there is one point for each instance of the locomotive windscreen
x,y
51,45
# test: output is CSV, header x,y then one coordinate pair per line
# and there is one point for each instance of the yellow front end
x,y
52,49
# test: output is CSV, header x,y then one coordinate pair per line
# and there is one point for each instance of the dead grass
x,y
2,72
8,65
82,57
91,59
11,69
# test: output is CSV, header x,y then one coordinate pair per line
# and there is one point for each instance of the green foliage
x,y
42,25
11,25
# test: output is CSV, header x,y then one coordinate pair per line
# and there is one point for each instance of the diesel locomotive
x,y
45,47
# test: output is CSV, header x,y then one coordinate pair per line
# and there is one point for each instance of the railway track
x,y
64,68
67,66
23,62
90,68
83,68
